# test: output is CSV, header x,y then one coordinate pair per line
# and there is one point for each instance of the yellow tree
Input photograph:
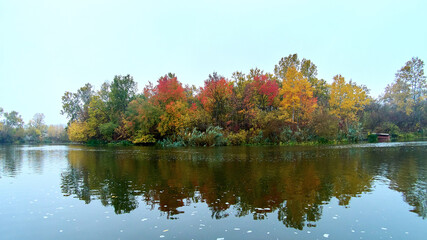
x,y
347,99
298,102
78,131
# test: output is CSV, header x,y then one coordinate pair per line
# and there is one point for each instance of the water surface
x,y
366,191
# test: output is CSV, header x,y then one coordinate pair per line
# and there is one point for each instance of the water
x,y
366,191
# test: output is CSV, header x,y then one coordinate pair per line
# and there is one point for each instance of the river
x,y
362,191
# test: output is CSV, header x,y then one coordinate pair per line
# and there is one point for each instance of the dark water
x,y
370,191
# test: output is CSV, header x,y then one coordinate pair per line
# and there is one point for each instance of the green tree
x,y
76,105
98,115
122,92
12,128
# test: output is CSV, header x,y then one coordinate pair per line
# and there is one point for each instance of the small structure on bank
x,y
383,137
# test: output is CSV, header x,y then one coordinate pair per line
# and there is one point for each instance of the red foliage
x,y
215,92
168,90
267,89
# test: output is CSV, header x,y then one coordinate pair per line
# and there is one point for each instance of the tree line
x,y
14,130
289,105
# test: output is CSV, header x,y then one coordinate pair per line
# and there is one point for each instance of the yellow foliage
x,y
78,132
140,138
298,101
173,118
346,99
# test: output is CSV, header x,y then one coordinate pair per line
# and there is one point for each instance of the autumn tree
x,y
169,95
409,89
347,99
57,133
78,132
266,90
215,97
142,120
298,101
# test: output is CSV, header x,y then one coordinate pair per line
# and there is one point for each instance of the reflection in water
x,y
293,183
11,161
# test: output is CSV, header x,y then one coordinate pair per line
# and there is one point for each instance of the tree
x,y
142,120
346,100
78,132
409,89
57,133
298,101
266,89
76,105
281,69
11,128
98,115
122,92
13,120
37,129
215,97
168,90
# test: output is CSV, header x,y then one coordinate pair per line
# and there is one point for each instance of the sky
x,y
50,47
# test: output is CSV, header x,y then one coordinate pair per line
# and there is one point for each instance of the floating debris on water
x,y
144,219
236,229
383,228
325,235
249,231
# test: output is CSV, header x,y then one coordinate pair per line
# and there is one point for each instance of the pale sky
x,y
52,46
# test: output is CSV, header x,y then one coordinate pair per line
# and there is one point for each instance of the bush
x,y
237,138
212,137
167,142
372,138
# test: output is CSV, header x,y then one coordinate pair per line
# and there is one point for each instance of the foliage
x,y
409,91
122,92
324,125
215,97
212,137
291,106
373,138
346,100
238,138
76,105
78,131
106,130
298,101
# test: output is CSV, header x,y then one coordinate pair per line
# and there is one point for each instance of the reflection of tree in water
x,y
249,181
407,172
10,160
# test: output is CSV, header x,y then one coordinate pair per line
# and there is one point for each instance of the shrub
x,y
237,138
372,138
